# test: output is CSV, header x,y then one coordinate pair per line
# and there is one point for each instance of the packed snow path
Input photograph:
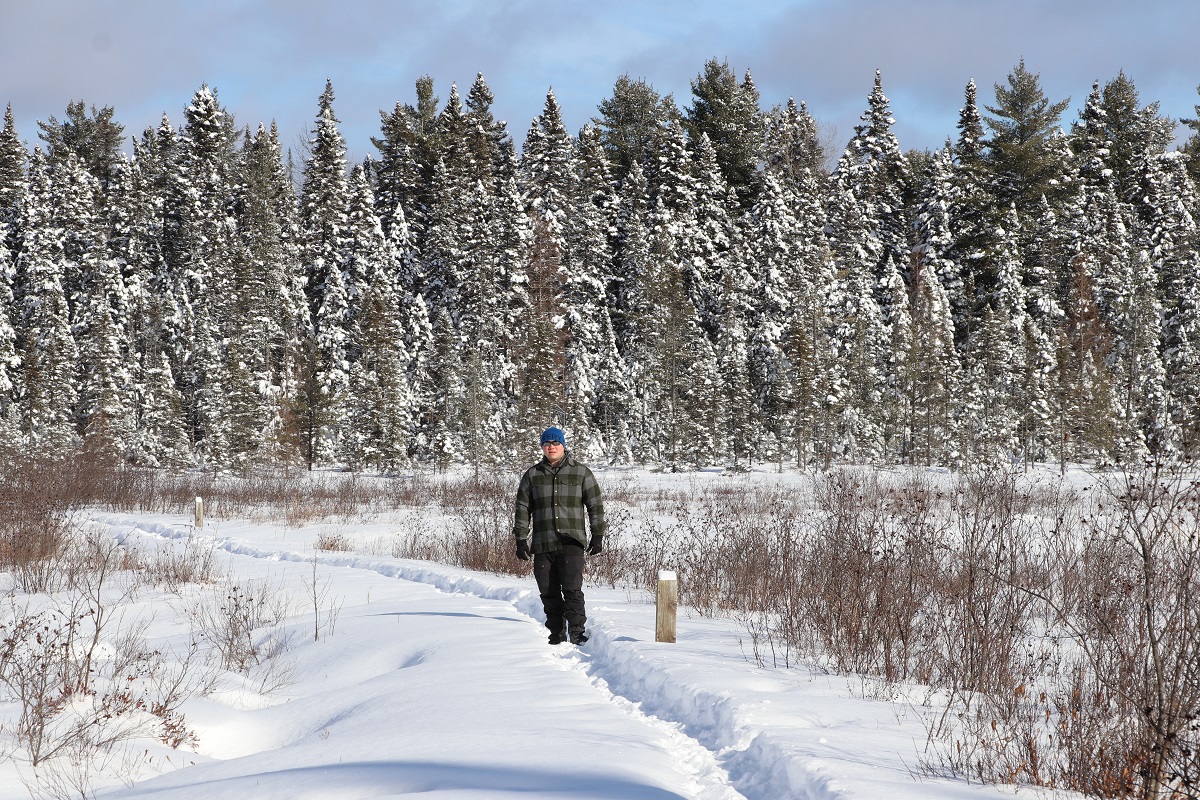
x,y
439,681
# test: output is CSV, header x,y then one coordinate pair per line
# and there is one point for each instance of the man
x,y
554,493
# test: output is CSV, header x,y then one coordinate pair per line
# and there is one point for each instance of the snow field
x,y
438,681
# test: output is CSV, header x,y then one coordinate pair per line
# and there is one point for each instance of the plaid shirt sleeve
x,y
594,503
521,509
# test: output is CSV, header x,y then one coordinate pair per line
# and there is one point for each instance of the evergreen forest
x,y
712,283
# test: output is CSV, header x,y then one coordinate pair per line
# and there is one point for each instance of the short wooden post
x,y
199,512
668,603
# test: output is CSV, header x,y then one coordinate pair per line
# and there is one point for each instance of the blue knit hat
x,y
554,435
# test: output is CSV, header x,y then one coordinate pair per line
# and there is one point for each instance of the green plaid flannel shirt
x,y
556,500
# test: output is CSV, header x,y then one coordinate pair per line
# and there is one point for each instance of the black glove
x,y
523,549
596,545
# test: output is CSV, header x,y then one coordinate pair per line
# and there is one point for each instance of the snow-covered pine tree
x,y
933,374
106,414
154,316
323,203
630,290
399,183
769,256
630,122
728,112
1173,235
98,305
1115,130
12,190
973,218
1020,157
674,370
858,332
274,315
9,362
380,408
207,139
548,179
13,158
709,239
584,295
509,236
47,390
1142,398
627,290
792,145
875,173
456,219
702,399
487,137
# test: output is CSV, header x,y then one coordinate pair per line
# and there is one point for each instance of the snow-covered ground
x,y
433,680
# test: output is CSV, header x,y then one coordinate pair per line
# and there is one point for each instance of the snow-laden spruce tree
x,y
47,390
487,140
323,203
585,320
97,300
792,149
198,251
152,297
548,179
509,237
709,237
769,256
1173,240
272,322
13,158
630,297
873,173
380,405
932,380
9,362
996,360
399,183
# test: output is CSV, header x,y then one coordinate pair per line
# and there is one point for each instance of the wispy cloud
x,y
269,60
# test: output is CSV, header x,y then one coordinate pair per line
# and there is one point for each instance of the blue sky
x,y
269,59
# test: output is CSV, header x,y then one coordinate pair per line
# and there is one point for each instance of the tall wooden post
x,y
199,513
667,605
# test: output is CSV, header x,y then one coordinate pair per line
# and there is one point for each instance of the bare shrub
x,y
317,592
241,623
174,566
479,530
1139,634
334,541
70,703
34,535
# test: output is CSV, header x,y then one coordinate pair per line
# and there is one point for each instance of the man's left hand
x,y
595,546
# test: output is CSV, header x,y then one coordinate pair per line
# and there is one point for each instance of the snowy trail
x,y
704,729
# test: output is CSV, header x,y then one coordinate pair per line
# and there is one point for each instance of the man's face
x,y
553,451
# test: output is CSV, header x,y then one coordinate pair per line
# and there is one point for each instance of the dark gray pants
x,y
560,582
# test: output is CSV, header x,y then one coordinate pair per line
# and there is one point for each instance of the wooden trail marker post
x,y
199,513
667,605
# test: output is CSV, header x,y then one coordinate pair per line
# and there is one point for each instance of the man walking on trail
x,y
554,494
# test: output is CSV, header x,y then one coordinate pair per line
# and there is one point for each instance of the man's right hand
x,y
523,549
